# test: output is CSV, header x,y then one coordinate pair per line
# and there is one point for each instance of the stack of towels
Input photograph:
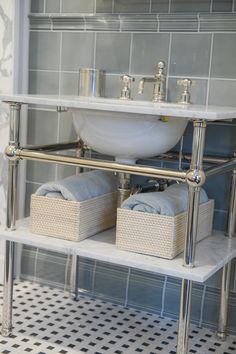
x,y
80,187
171,202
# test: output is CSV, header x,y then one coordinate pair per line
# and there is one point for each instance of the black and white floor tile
x,y
48,321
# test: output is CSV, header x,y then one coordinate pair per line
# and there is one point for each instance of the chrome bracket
x,y
11,153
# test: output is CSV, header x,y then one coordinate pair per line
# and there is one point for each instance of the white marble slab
x,y
212,253
139,107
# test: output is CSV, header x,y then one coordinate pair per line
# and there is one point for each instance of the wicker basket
x,y
71,220
159,235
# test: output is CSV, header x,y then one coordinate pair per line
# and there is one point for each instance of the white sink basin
x,y
127,136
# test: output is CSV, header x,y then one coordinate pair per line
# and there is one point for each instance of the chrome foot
x,y
6,332
221,336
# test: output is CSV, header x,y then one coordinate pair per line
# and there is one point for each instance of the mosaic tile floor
x,y
47,321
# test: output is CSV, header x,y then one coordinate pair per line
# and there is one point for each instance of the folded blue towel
x,y
80,187
173,201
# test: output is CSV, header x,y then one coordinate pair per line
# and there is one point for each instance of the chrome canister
x,y
91,82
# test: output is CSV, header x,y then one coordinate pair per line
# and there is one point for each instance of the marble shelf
x,y
210,113
211,255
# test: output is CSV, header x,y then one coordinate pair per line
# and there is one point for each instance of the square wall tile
x,y
196,50
30,189
131,6
190,5
78,6
44,83
40,172
145,290
69,83
53,6
147,51
103,6
110,281
223,56
160,6
66,127
220,220
113,52
198,91
218,188
222,6
42,127
220,139
44,50
37,6
113,86
222,92
77,50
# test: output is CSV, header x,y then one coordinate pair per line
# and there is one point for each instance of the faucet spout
x,y
141,83
159,80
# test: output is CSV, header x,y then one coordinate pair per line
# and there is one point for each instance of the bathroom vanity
x,y
212,254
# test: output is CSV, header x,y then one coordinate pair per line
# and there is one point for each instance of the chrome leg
x,y
74,259
226,271
10,222
221,334
195,179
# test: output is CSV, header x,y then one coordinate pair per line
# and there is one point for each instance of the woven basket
x,y
71,220
159,235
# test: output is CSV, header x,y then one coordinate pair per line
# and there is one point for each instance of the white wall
x,y
6,85
13,53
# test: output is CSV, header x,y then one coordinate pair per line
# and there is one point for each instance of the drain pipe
x,y
124,188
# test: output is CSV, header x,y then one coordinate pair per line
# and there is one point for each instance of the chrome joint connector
x,y
11,153
195,178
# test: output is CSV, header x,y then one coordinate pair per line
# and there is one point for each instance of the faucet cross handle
x,y
160,67
126,89
185,95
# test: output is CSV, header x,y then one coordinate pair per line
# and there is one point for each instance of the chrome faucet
x,y
159,80
126,89
185,95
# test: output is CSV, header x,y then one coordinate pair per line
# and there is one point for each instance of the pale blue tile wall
x,y
208,58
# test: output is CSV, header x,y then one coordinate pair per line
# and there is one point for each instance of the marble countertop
x,y
212,253
140,108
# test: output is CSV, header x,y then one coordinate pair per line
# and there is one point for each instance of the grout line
x,y
58,114
163,296
202,306
66,272
130,52
94,50
209,72
137,74
33,182
93,278
199,23
233,6
95,7
35,265
169,6
150,7
211,6
112,6
44,6
60,6
168,65
139,32
127,288
234,278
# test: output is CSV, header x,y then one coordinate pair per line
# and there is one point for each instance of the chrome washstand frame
x,y
194,177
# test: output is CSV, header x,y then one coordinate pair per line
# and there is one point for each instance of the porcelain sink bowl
x,y
127,136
